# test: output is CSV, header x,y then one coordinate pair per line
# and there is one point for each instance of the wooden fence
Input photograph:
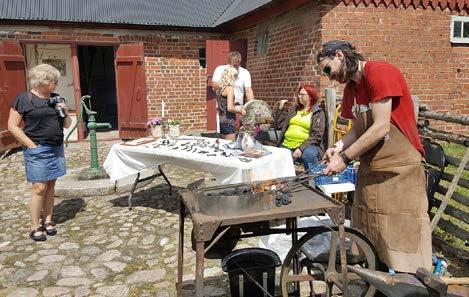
x,y
456,221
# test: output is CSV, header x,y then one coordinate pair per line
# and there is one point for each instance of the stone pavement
x,y
102,248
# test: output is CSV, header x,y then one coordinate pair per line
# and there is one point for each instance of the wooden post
x,y
415,99
451,188
330,109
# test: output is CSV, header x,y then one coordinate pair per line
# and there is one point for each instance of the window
x,y
202,58
459,29
262,40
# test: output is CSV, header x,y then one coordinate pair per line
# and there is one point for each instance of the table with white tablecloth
x,y
127,159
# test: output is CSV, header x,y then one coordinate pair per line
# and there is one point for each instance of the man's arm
x,y
249,94
248,86
381,112
216,77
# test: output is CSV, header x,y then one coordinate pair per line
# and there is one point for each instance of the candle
x,y
162,109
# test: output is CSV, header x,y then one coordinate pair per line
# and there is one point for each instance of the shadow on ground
x,y
67,210
156,197
210,283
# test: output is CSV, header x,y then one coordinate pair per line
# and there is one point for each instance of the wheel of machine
x,y
324,268
223,246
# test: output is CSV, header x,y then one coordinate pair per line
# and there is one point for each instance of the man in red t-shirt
x,y
390,204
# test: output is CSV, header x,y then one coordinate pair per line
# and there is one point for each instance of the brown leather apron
x,y
390,204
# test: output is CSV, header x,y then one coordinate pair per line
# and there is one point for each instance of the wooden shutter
x,y
12,82
131,91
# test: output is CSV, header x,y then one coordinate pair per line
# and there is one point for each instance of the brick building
x,y
140,58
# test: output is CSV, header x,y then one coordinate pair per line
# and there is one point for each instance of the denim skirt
x,y
44,163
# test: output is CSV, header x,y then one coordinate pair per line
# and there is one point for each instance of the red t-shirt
x,y
384,80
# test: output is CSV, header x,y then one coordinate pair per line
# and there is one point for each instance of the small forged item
x,y
245,160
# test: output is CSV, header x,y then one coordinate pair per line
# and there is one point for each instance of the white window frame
x,y
463,19
262,43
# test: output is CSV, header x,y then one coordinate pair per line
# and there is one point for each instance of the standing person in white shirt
x,y
243,80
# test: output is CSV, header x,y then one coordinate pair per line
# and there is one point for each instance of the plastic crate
x,y
346,176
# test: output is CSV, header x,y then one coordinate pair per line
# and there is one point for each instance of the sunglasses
x,y
327,69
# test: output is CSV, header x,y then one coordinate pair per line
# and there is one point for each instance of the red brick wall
x,y
414,39
175,77
171,61
288,60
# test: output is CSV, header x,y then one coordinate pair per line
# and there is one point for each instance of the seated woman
x,y
225,101
304,127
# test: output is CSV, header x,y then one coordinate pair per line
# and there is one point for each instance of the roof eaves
x,y
80,21
231,12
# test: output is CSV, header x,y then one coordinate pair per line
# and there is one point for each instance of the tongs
x,y
301,178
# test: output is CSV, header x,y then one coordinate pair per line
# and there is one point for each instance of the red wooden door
x,y
131,91
12,82
216,54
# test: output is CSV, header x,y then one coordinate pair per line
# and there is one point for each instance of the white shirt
x,y
242,81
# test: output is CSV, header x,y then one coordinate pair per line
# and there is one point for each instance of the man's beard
x,y
341,75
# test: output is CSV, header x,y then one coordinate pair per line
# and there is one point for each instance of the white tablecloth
x,y
123,161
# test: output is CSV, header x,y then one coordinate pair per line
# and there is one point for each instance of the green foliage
x,y
174,122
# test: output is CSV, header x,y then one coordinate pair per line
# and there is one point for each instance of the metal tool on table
x,y
95,171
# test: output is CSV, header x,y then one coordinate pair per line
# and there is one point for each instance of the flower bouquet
x,y
156,126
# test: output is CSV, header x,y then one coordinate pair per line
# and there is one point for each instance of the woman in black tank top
x,y
225,101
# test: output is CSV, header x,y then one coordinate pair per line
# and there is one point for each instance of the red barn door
x,y
131,91
217,54
12,82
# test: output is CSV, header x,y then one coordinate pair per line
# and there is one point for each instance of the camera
x,y
53,100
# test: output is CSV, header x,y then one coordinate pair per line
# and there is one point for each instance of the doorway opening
x,y
98,79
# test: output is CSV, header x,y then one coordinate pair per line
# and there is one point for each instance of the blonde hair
x,y
42,74
228,77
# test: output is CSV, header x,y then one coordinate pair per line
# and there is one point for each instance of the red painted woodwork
x,y
217,54
77,90
131,91
12,82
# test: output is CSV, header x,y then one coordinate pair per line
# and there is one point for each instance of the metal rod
x,y
254,281
343,260
199,269
182,212
215,240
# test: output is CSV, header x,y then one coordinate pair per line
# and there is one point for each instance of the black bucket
x,y
245,265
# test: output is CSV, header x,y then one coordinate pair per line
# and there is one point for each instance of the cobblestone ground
x,y
102,248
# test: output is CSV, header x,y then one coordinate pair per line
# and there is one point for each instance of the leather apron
x,y
390,204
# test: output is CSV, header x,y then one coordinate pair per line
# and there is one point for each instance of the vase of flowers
x,y
174,128
156,127
248,141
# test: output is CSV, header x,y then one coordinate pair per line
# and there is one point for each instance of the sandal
x,y
41,237
50,228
